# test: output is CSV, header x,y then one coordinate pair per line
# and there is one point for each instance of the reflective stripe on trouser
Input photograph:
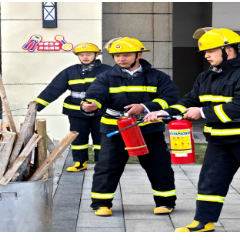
x,y
112,161
210,198
85,126
219,166
165,193
102,195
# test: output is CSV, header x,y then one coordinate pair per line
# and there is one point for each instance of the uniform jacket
x,y
73,79
113,89
219,95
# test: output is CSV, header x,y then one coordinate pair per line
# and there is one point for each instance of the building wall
x,y
150,22
226,15
25,74
187,61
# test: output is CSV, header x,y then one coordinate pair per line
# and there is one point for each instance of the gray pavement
x,y
133,203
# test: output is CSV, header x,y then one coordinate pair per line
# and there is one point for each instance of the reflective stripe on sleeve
x,y
179,107
102,195
70,106
212,98
221,132
79,147
98,147
210,198
41,101
132,89
165,193
81,81
163,103
98,103
221,114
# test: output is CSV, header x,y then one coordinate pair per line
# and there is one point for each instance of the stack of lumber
x,y
23,154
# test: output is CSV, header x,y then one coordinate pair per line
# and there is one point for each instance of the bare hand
x,y
193,113
136,109
152,116
90,107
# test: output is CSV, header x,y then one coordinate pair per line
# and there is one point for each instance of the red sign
x,y
35,42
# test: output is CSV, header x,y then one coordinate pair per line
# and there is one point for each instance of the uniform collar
x,y
134,71
117,71
97,63
230,64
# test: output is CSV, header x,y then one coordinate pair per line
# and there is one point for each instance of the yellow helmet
x,y
140,43
210,38
124,44
86,47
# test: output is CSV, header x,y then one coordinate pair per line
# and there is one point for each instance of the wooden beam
x,y
15,166
9,138
66,141
6,106
31,114
25,167
42,144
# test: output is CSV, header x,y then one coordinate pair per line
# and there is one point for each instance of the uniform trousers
x,y
220,164
85,126
112,161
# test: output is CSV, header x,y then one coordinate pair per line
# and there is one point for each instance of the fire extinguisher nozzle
x,y
112,133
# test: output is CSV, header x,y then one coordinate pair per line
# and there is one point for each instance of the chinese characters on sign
x,y
35,42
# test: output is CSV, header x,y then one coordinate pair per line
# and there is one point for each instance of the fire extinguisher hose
x,y
116,132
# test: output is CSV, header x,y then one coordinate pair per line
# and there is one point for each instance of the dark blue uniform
x,y
218,93
114,89
75,79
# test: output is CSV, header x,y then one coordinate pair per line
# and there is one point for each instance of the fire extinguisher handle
x,y
113,133
164,116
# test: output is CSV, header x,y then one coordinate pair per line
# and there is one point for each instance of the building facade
x,y
165,28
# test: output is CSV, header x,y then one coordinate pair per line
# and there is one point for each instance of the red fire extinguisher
x,y
180,138
132,137
181,141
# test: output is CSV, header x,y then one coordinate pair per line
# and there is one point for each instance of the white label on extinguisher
x,y
181,155
180,141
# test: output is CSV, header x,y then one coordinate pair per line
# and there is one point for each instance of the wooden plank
x,y
9,138
42,144
25,167
6,106
66,141
24,131
15,166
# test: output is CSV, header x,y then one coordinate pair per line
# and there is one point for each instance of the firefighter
x,y
134,86
77,78
216,97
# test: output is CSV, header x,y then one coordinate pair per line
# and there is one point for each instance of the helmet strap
x,y
133,64
224,54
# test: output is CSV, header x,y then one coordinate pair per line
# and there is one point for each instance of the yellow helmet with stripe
x,y
124,44
86,47
210,38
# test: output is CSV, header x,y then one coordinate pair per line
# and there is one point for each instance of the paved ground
x,y
133,203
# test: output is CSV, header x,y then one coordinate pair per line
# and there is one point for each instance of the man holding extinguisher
x,y
216,97
134,86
